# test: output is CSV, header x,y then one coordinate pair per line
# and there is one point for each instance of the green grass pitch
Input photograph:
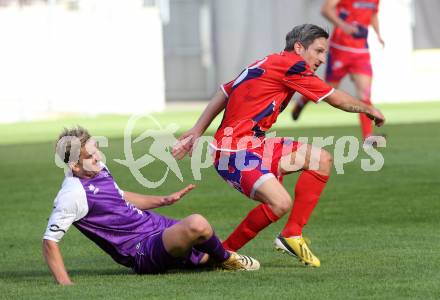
x,y
377,233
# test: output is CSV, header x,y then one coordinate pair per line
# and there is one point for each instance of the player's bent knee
x,y
198,226
327,158
326,162
282,205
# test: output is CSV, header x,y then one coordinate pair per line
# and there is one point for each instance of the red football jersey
x,y
258,95
357,13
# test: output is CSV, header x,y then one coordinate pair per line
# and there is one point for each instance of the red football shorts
x,y
246,170
341,63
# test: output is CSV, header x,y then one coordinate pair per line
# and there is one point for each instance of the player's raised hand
x,y
171,199
185,144
375,115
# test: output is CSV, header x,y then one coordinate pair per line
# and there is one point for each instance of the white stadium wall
x,y
105,57
108,56
402,74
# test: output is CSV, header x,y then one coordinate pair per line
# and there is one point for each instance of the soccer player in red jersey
x,y
254,164
349,52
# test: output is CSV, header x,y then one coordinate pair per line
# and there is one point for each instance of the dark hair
x,y
71,140
304,34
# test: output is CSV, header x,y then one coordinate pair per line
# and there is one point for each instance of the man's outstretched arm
x,y
145,202
54,260
214,107
345,102
187,140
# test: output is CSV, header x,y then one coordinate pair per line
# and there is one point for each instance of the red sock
x,y
307,191
257,219
366,123
366,126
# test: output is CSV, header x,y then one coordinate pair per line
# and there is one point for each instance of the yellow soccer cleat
x,y
297,246
238,262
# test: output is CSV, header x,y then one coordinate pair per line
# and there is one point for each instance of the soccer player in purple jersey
x,y
121,223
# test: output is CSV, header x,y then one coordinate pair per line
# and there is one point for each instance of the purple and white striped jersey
x,y
97,208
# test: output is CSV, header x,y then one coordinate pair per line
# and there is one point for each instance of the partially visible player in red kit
x,y
254,164
349,53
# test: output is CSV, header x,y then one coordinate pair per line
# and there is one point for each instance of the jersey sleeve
x,y
301,79
69,206
227,88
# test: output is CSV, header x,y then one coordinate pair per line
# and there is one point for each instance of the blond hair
x,y
69,143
